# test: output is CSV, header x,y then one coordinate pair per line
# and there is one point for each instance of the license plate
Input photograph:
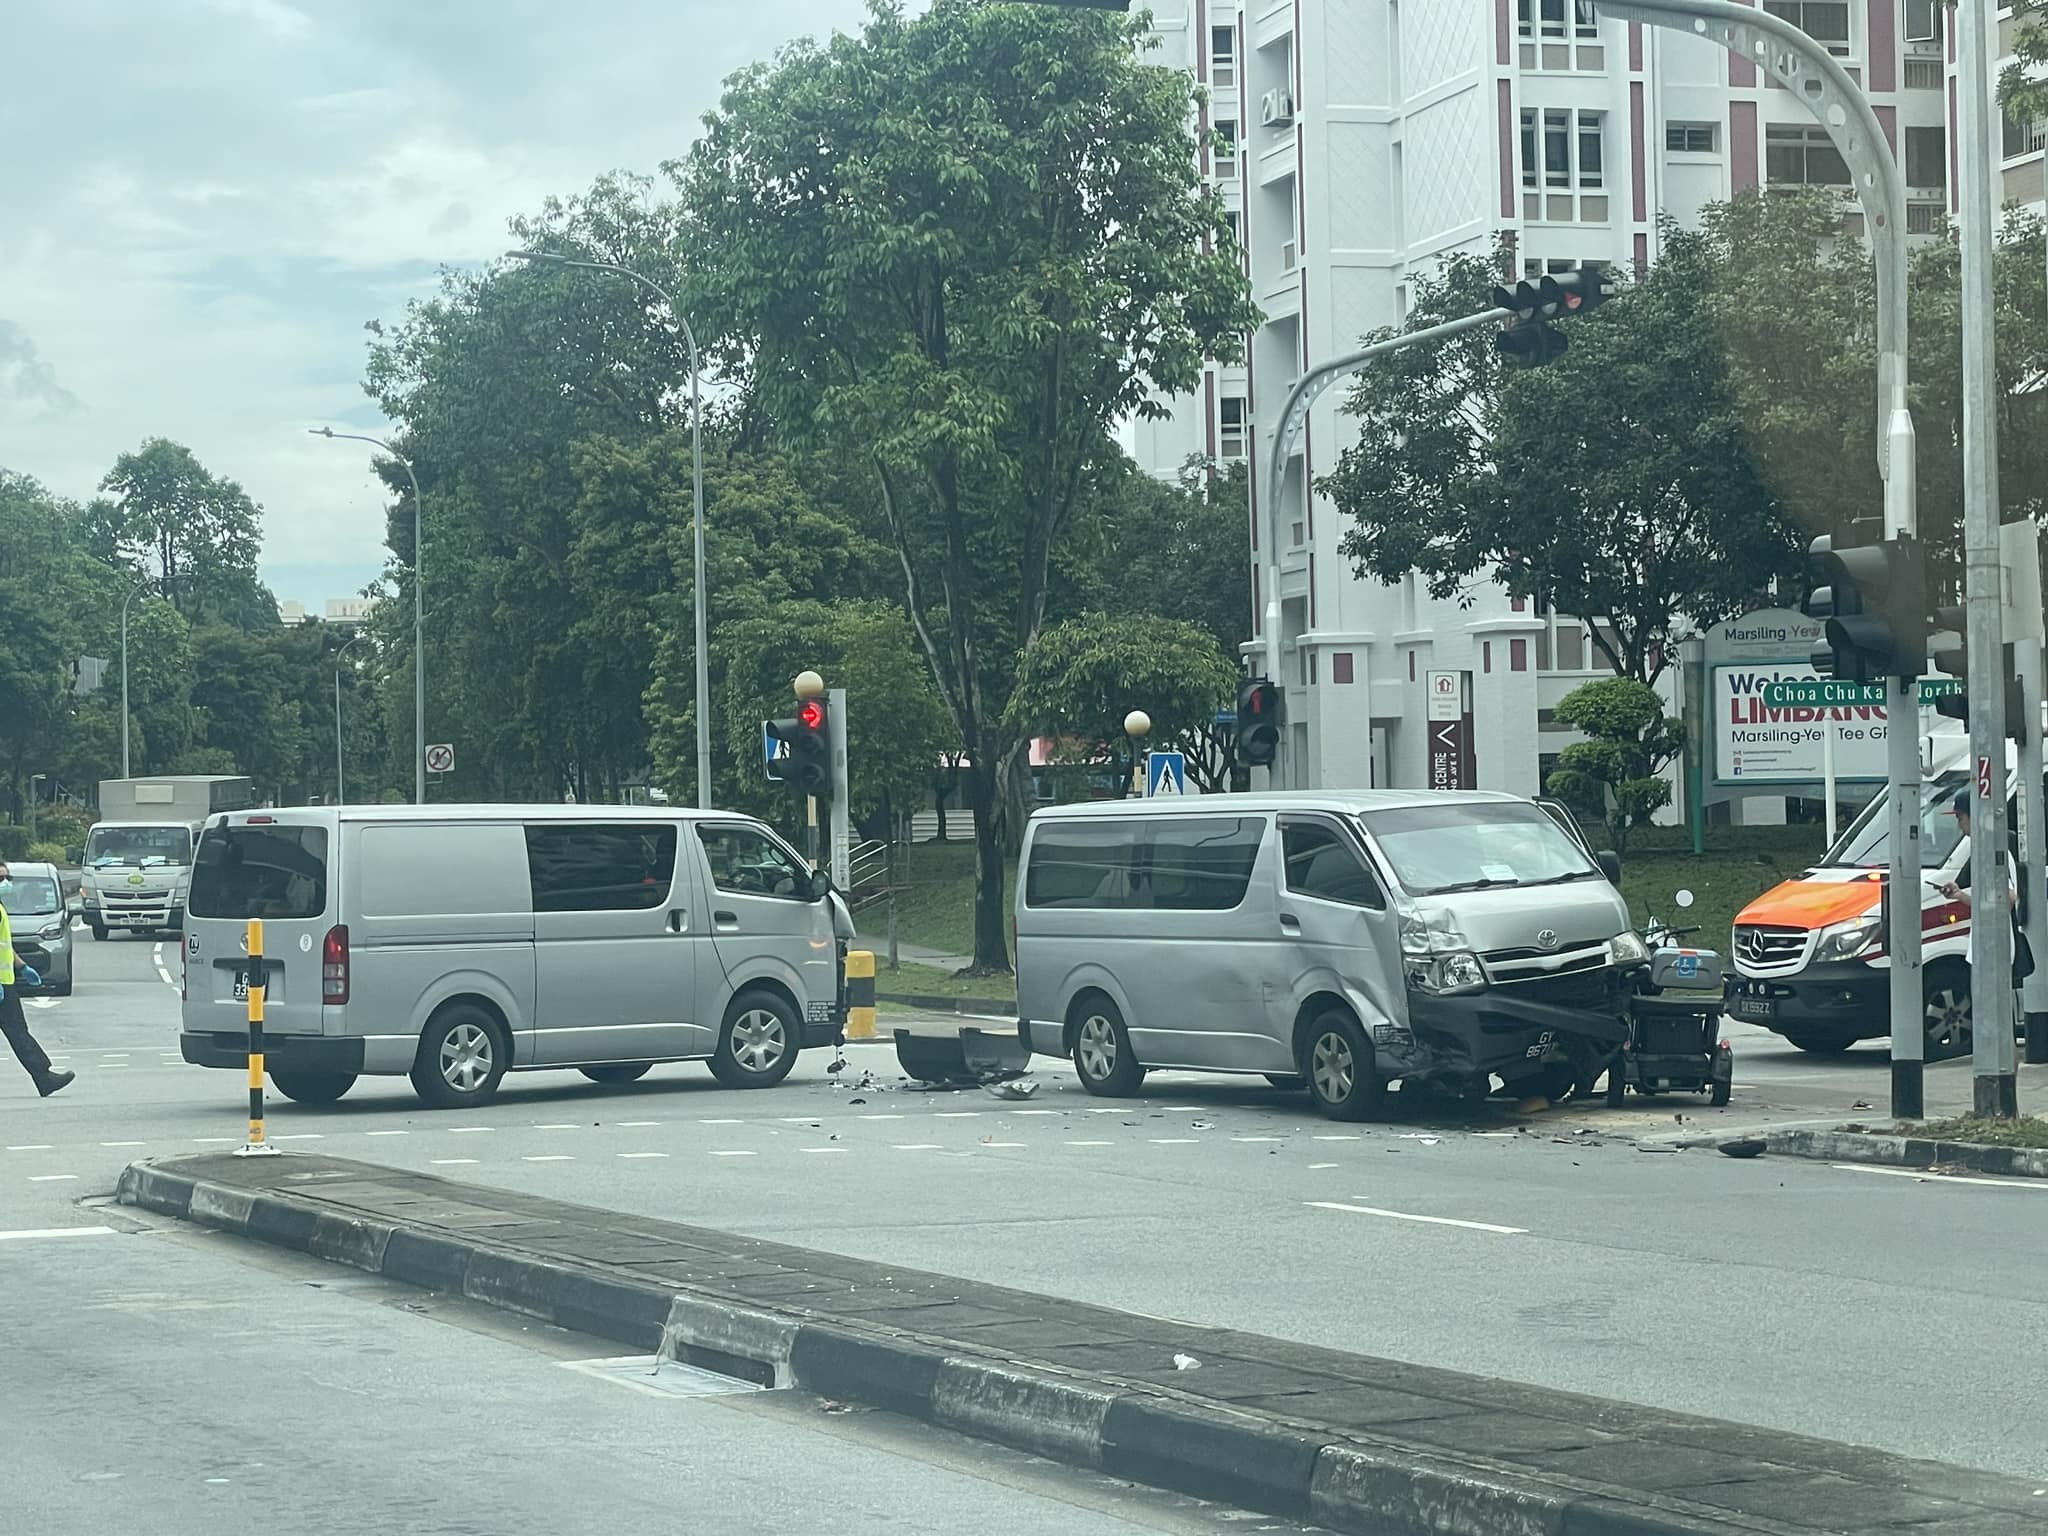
x,y
1743,1007
241,988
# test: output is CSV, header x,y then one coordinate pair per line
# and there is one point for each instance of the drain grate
x,y
664,1378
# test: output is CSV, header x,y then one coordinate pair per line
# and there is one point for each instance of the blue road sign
x,y
773,753
1166,773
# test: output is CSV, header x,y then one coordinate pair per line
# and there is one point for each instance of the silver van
x,y
454,943
1339,940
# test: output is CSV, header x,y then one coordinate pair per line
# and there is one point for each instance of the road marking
x,y
51,1178
1340,1138
824,1149
301,1136
1012,1144
1108,1111
958,1114
469,1130
643,1154
1929,1177
122,1143
881,1117
786,1120
108,1066
917,1146
732,1154
549,1157
557,1127
37,1146
1091,1143
448,1162
387,1133
1037,1111
1434,1221
637,1124
26,1233
721,1122
1176,1141
1312,1167
215,1141
1256,1138
113,1055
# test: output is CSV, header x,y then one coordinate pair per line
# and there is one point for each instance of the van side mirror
x,y
1610,865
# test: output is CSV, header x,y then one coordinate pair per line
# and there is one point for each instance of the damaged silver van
x,y
1339,940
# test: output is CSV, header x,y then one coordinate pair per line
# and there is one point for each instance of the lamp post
x,y
419,613
1137,725
138,588
696,493
340,783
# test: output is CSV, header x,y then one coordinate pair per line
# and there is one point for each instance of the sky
x,y
202,202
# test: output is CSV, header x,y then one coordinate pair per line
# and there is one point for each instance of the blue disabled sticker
x,y
1688,965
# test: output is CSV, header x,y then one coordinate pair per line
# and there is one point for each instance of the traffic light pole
x,y
842,816
1811,74
1293,418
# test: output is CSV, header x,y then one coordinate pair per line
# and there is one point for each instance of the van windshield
x,y
269,872
147,847
1868,844
33,896
1470,845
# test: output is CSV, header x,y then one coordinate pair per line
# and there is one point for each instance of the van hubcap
x,y
1948,1022
1097,1046
466,1057
1332,1068
758,1040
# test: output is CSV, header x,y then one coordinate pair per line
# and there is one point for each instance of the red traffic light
x,y
811,715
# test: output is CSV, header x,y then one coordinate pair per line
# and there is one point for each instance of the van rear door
x,y
271,866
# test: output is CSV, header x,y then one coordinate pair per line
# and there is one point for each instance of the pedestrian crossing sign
x,y
1166,773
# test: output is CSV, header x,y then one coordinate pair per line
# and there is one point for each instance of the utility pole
x,y
1812,75
1994,1062
2027,631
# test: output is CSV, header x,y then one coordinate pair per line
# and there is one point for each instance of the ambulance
x,y
1808,955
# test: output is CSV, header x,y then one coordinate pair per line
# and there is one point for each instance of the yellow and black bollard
x,y
860,994
253,981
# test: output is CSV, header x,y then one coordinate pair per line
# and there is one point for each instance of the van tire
x,y
625,1072
1945,1010
1103,1058
757,1022
1343,1077
99,931
462,1058
311,1086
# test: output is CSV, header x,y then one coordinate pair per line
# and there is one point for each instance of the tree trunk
x,y
1015,780
991,932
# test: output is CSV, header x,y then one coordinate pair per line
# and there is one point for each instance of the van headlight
x,y
52,931
1846,941
1626,948
1458,971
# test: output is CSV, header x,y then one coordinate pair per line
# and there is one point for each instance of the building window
x,y
1692,138
1486,655
1226,148
1564,132
1550,15
1232,223
1230,427
1533,269
1557,147
1411,666
1223,57
1518,655
1340,666
1528,146
1825,21
1802,157
1926,157
2020,139
1923,75
1590,151
1923,21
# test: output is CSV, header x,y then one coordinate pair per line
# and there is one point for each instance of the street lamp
x,y
1137,725
696,493
419,614
139,587
341,784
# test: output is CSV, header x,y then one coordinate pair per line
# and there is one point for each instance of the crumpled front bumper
x,y
1506,1032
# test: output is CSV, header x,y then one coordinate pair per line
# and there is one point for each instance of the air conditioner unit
x,y
1276,109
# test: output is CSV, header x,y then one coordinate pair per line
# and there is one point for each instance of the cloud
x,y
24,376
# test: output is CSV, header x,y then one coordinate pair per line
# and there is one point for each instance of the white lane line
x,y
387,1133
469,1130
557,1127
1176,1141
881,1117
721,1122
1340,1138
786,1120
1037,1111
34,1146
449,1162
1108,1111
301,1136
51,1178
215,1141
824,1149
958,1114
636,1124
643,1154
917,1146
1091,1143
549,1157
122,1143
25,1233
1434,1221
114,1055
732,1154
1014,1144
1256,1138
109,1066
166,975
1312,1167
1925,1177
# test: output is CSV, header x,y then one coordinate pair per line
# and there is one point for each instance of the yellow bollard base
x,y
256,1149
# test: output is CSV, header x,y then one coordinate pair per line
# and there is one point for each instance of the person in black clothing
x,y
13,1023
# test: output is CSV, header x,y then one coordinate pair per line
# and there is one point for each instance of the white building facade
x,y
1374,138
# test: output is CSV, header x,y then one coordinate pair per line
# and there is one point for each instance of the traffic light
x,y
1873,599
808,767
1527,340
1947,653
1257,741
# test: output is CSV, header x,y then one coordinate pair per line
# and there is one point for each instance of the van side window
x,y
747,862
1321,864
617,868
1196,864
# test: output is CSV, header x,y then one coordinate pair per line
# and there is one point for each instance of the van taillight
x,y
334,966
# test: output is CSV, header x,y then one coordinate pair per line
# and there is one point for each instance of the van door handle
x,y
729,919
678,920
1289,921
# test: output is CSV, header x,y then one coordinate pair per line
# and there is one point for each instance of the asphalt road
x,y
1899,1312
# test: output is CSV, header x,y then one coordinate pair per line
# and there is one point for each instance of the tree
x,y
959,249
200,532
1086,674
1630,740
2023,84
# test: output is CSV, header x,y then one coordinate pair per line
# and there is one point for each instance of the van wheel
x,y
628,1072
312,1086
1945,1004
1343,1078
462,1059
1102,1051
757,1045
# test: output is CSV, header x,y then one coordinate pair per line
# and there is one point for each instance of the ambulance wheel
x,y
1722,1083
1945,1009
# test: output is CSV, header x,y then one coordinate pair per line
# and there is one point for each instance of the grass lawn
x,y
2027,1131
936,908
932,981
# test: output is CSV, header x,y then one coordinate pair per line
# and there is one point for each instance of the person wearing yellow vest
x,y
13,1023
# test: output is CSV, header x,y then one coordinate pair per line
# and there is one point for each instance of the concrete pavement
x,y
1773,1293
